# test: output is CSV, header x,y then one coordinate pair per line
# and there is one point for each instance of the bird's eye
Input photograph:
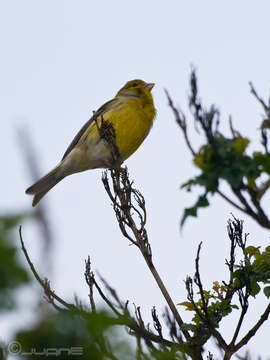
x,y
135,84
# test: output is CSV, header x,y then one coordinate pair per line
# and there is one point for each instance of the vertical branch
x,y
244,304
181,121
89,278
127,200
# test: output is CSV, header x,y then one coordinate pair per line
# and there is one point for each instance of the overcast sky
x,y
60,60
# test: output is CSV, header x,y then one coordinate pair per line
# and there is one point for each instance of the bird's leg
x,y
113,164
116,165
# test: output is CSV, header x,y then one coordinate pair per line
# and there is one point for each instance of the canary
x,y
130,113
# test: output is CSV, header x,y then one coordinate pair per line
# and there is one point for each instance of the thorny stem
x,y
122,201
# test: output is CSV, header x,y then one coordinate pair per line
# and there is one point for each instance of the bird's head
x,y
136,88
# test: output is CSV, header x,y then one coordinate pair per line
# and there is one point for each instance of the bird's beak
x,y
149,86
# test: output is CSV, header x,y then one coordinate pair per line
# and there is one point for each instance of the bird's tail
x,y
46,183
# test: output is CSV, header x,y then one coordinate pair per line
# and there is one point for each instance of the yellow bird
x,y
130,113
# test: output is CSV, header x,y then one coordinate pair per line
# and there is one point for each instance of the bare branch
x,y
89,277
157,324
225,197
125,198
261,101
44,283
264,139
113,293
241,318
181,121
208,320
262,190
233,131
255,328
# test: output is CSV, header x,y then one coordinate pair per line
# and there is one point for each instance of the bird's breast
x,y
131,123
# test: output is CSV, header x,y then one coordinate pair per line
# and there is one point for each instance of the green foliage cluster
x,y
13,273
246,278
63,334
68,336
227,160
255,270
214,303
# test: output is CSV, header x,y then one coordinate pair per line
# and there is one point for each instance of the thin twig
x,y
261,101
225,197
44,283
157,324
198,282
122,201
181,121
242,199
241,318
263,188
89,277
253,331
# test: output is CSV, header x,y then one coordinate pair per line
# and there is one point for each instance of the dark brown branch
x,y
264,138
171,323
231,202
241,318
107,301
120,320
233,131
107,133
128,321
242,199
123,201
113,293
181,121
198,282
261,101
263,188
157,324
44,283
89,278
253,331
262,218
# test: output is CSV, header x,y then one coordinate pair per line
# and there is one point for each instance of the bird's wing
x,y
104,108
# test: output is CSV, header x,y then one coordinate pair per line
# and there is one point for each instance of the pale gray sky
x,y
60,60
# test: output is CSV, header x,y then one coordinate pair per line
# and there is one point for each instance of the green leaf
x,y
265,124
186,326
13,274
252,250
266,291
192,211
189,306
240,144
263,161
254,288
